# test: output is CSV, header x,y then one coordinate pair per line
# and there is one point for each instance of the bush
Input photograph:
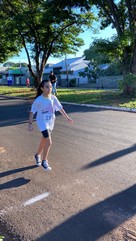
x,y
128,84
1,238
113,69
73,83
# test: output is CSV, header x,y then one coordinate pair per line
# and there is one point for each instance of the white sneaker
x,y
38,159
45,165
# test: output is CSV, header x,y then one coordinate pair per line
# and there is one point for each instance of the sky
x,y
87,36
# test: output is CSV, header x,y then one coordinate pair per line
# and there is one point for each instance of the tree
x,y
14,65
95,53
105,51
47,28
92,72
121,15
9,45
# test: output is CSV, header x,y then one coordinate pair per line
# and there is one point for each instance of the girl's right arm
x,y
30,125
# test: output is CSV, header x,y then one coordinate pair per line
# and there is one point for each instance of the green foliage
x,y
91,72
104,51
1,238
128,84
9,41
46,28
113,69
73,83
14,65
95,53
121,16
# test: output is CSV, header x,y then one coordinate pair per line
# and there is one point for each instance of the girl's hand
x,y
70,121
30,127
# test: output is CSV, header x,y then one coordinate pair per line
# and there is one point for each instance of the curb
x,y
133,110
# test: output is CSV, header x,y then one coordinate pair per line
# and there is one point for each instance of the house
x,y
67,70
3,75
15,76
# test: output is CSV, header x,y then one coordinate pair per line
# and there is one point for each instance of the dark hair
x,y
41,85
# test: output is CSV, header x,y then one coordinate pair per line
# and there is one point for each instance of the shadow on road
x,y
14,183
81,109
17,111
10,172
97,220
110,157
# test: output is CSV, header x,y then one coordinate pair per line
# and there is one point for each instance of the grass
x,y
77,95
17,91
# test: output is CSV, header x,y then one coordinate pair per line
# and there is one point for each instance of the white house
x,y
67,70
13,76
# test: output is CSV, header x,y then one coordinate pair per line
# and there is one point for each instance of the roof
x,y
66,61
3,69
74,64
75,67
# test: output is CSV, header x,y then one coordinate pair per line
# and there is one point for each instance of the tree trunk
x,y
126,61
134,59
129,60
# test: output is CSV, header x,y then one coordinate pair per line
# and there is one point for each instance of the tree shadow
x,y
71,108
14,113
10,172
17,111
14,183
97,220
110,157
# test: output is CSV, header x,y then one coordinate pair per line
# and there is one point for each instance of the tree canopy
x,y
120,15
9,45
95,53
52,27
46,27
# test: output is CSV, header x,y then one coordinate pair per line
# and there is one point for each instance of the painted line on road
x,y
2,149
36,199
26,203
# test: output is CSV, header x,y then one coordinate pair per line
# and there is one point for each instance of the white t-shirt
x,y
45,108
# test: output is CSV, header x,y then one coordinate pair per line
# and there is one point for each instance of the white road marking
x,y
2,149
26,203
36,199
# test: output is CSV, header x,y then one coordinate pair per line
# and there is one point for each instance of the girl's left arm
x,y
62,111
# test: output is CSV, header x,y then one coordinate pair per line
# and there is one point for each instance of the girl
x,y
45,105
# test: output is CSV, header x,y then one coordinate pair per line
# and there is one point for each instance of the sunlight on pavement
x,y
2,149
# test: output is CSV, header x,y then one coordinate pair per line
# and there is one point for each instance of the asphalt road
x,y
89,195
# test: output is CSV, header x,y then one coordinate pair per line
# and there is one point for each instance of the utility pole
x,y
20,71
66,70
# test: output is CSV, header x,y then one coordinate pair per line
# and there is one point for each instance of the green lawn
x,y
76,95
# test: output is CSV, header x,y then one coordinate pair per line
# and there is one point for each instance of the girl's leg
x,y
55,91
53,88
47,145
41,146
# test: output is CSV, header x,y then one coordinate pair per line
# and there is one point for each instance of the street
x,y
89,194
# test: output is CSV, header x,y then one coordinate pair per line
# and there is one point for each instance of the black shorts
x,y
46,133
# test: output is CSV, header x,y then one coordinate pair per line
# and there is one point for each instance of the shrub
x,y
73,83
128,84
1,238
